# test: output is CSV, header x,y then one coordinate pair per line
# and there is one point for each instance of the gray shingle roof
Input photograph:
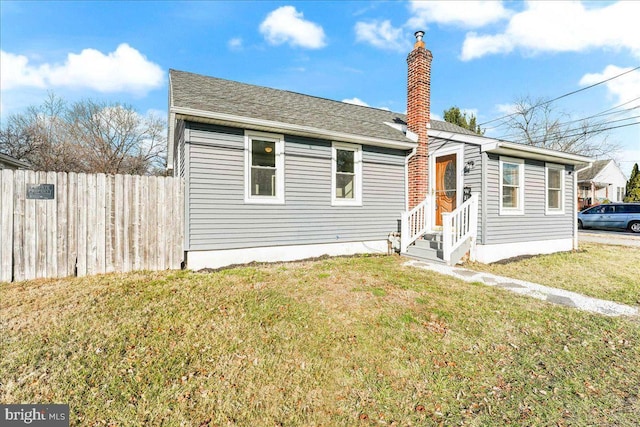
x,y
212,94
593,171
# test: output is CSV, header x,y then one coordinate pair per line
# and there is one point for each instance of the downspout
x,y
484,195
575,206
406,178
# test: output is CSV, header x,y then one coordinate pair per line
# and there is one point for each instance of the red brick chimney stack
x,y
418,111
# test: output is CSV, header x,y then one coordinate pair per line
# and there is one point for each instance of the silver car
x,y
613,215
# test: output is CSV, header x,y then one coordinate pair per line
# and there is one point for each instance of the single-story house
x,y
273,175
9,162
603,180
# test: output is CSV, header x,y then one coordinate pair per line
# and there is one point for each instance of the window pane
x,y
263,181
510,197
263,153
553,199
344,160
554,178
510,174
344,186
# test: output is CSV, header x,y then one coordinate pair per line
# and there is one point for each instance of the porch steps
x,y
428,248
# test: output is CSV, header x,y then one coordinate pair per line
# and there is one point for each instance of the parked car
x,y
613,215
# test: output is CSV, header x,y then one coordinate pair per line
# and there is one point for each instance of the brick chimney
x,y
418,111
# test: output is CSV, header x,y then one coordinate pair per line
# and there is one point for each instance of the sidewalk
x,y
545,293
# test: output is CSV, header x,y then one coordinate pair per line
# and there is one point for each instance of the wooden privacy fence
x,y
67,224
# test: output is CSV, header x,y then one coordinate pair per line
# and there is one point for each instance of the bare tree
x,y
86,137
536,122
39,136
116,139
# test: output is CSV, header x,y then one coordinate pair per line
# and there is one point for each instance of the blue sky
x,y
486,54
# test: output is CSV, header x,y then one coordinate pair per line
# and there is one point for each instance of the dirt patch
x,y
263,264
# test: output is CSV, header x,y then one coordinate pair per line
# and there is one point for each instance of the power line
x,y
542,131
565,95
588,132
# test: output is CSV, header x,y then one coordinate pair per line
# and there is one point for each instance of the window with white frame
x,y
554,184
346,174
511,186
264,167
621,192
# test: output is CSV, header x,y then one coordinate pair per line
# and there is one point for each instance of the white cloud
x,y
561,27
15,72
124,70
434,116
235,43
286,25
469,14
466,14
382,35
623,89
360,102
355,101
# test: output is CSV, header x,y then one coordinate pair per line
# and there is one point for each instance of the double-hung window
x,y
346,174
554,180
264,167
511,186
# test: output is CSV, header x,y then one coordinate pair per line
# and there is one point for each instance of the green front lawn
x,y
336,342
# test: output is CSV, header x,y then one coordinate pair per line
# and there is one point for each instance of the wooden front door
x,y
446,186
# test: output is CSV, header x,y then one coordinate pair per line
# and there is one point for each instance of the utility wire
x,y
585,132
565,95
614,113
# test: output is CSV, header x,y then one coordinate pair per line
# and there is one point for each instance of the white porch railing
x,y
414,224
459,226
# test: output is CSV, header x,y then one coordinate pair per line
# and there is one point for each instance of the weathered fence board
x,y
94,224
6,224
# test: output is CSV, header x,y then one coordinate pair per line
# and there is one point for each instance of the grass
x,y
601,271
339,342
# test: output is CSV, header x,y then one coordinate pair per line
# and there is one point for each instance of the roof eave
x,y
496,146
536,153
288,128
14,162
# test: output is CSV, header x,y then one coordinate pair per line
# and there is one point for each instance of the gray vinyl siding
x,y
473,178
534,224
219,218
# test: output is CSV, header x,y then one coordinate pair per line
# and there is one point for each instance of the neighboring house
x,y
273,175
602,181
8,162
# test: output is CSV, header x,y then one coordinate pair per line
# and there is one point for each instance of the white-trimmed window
x,y
554,184
346,174
511,186
264,167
